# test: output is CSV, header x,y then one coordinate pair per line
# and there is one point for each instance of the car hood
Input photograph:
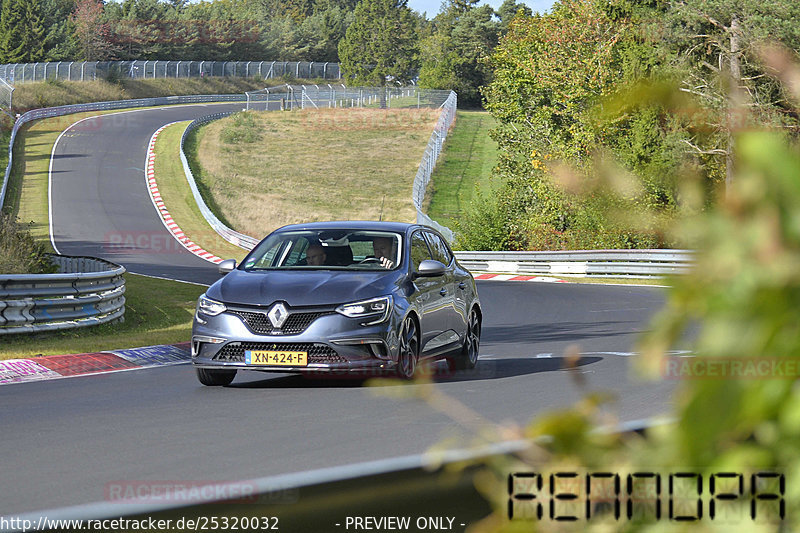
x,y
301,288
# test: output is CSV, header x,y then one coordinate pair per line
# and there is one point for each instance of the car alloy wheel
x,y
409,349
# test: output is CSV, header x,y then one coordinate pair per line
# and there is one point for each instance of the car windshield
x,y
327,249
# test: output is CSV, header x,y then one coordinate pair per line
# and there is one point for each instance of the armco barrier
x,y
588,263
87,291
230,235
50,112
313,501
435,491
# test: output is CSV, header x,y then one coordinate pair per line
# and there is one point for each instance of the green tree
x,y
510,9
550,71
716,44
21,32
453,57
59,42
318,36
381,43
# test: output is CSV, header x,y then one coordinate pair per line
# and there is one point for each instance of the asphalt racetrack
x,y
99,200
64,442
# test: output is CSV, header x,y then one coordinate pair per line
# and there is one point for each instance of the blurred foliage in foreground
x,y
743,300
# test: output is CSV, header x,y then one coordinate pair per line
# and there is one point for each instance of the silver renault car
x,y
339,297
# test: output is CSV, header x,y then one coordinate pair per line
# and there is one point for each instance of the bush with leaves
x,y
19,252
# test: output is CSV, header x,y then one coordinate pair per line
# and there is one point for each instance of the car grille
x,y
295,322
317,353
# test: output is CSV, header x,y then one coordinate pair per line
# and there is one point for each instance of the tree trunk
x,y
734,99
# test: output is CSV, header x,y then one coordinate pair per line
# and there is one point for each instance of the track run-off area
x,y
65,442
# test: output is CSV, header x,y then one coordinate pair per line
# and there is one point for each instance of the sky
x,y
431,7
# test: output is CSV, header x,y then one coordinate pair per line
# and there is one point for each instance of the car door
x,y
429,300
452,295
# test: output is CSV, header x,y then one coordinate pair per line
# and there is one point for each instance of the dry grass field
x,y
266,169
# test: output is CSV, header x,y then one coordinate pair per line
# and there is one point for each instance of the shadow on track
x,y
485,370
561,331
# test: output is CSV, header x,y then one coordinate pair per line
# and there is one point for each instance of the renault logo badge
x,y
278,315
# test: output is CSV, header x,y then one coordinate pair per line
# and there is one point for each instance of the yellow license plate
x,y
275,358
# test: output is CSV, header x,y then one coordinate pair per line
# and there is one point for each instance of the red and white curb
x,y
158,203
85,364
516,277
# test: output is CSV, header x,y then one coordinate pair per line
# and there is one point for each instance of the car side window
x,y
419,250
439,249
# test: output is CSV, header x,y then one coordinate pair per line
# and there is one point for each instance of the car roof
x,y
398,227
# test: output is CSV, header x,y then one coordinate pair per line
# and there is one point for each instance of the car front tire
x,y
408,354
215,378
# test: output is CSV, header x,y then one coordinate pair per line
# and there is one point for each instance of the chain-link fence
x,y
6,92
92,70
290,97
428,163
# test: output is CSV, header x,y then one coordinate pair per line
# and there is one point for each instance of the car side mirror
x,y
226,266
430,269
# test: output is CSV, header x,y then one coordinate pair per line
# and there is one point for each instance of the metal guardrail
x,y
87,291
50,112
314,501
91,70
440,485
230,235
588,263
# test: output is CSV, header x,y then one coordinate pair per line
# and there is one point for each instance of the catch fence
x,y
16,73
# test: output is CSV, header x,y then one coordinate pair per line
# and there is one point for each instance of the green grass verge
x,y
464,166
178,197
148,321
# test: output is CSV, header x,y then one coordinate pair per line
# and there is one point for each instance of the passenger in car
x,y
384,250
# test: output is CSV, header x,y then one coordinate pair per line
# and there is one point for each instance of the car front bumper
x,y
333,343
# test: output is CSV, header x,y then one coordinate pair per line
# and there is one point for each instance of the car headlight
x,y
210,307
377,309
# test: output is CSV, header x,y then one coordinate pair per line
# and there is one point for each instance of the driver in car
x,y
315,255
